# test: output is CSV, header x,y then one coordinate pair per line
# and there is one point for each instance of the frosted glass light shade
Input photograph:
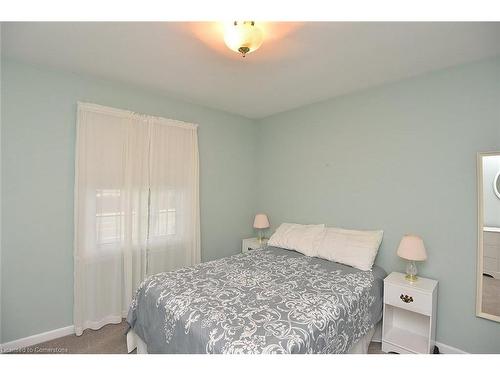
x,y
412,247
261,221
243,37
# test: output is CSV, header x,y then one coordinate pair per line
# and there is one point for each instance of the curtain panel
x,y
136,207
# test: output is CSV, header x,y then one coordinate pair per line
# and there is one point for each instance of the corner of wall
x,y
258,161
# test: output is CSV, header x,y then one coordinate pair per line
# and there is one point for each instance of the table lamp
x,y
412,249
261,222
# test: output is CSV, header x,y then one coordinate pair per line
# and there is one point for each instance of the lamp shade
x,y
243,36
412,247
261,221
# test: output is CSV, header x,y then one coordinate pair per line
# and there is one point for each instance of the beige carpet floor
x,y
109,339
491,296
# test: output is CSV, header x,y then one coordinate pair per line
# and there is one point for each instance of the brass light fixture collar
x,y
244,50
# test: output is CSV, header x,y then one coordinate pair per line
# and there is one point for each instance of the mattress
x,y
263,301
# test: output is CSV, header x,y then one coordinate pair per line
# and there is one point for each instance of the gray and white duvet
x,y
267,301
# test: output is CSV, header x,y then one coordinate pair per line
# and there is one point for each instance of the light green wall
x,y
38,126
400,157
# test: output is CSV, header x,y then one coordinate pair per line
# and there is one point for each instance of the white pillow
x,y
298,237
356,248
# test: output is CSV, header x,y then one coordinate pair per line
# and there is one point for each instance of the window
x,y
109,218
166,222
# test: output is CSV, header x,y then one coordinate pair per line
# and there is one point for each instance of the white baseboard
x,y
36,339
447,349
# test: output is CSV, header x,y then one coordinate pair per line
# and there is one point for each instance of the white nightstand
x,y
409,324
252,244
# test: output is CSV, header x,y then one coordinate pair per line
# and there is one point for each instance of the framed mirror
x,y
488,252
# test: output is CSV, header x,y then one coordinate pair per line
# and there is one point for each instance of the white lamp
x,y
261,222
412,249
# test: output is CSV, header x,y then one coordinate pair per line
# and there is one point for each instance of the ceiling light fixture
x,y
243,37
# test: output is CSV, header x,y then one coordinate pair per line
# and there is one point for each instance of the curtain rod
x,y
124,113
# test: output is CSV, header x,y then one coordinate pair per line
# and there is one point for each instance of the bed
x,y
263,301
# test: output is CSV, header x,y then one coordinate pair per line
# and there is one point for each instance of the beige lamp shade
x,y
412,247
261,221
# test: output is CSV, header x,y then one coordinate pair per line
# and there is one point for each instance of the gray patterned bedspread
x,y
263,301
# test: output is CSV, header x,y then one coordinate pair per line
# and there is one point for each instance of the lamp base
x,y
411,271
411,278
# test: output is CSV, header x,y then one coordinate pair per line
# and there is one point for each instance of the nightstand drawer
x,y
252,244
408,298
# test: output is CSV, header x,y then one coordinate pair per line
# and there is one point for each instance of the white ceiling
x,y
298,64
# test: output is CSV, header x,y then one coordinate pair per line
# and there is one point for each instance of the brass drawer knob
x,y
406,298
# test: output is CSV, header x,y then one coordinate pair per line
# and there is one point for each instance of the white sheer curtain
x,y
136,207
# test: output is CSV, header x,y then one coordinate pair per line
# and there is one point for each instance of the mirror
x,y
496,185
488,262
